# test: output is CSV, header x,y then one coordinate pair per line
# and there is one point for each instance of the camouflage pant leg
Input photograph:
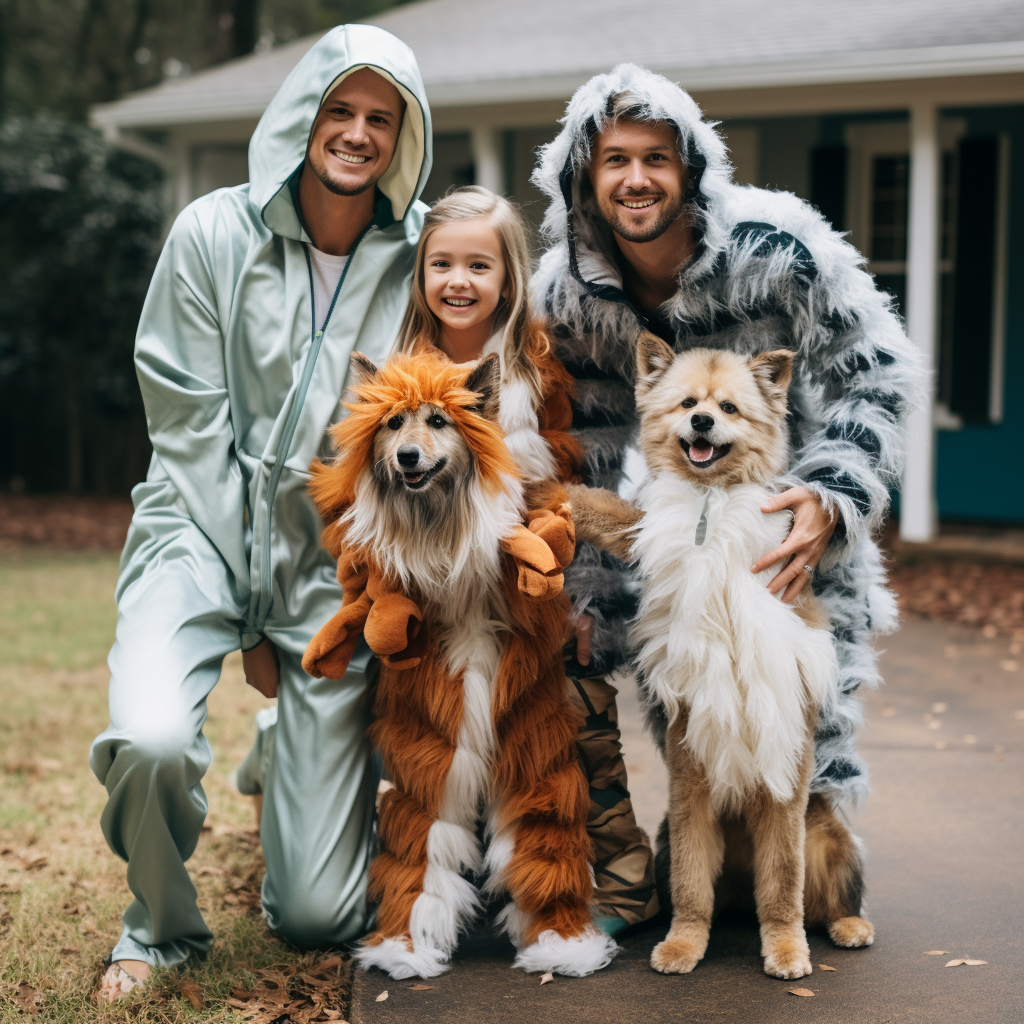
x,y
624,863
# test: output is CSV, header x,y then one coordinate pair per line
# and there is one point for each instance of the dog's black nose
x,y
702,423
409,456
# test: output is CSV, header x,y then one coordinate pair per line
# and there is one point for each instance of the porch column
x,y
917,501
487,158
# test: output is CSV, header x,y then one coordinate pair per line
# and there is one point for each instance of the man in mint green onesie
x,y
260,295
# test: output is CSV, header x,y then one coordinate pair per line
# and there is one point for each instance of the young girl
x,y
469,300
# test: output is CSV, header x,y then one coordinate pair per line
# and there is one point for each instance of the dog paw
x,y
785,951
676,956
788,964
851,932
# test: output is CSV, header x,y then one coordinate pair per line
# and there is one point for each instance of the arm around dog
x,y
604,519
853,348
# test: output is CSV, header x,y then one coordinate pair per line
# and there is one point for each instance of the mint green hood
x,y
238,384
278,145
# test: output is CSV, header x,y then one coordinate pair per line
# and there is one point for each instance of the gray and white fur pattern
x,y
769,272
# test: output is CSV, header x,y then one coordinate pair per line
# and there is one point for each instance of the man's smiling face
x,y
354,138
638,177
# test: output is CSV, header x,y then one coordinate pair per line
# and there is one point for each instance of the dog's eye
x,y
689,403
394,423
437,421
727,407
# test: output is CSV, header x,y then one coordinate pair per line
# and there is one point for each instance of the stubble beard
x,y
341,190
615,220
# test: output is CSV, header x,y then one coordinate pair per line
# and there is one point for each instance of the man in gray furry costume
x,y
757,270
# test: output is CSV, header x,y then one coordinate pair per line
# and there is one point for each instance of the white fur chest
x,y
711,637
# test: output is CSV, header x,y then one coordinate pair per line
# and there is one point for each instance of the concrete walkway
x,y
944,829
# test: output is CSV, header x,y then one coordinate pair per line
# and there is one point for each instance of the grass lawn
x,y
62,891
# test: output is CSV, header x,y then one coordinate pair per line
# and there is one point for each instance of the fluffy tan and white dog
x,y
733,677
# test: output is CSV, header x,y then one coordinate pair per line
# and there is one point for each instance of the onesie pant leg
x,y
624,862
172,635
318,806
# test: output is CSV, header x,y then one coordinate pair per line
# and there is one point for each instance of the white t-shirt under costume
x,y
327,271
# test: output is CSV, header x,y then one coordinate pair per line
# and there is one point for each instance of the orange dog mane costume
x,y
471,714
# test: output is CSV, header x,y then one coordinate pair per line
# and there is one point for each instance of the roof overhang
x,y
195,101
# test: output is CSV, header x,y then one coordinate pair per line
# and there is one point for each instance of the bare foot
x,y
851,932
122,977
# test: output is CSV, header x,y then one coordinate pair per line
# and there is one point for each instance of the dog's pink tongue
x,y
699,453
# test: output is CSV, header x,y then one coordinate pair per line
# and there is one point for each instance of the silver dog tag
x,y
702,523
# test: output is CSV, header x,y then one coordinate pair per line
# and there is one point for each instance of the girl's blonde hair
x,y
523,337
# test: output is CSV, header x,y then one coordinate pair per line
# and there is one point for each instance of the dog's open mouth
x,y
702,453
418,480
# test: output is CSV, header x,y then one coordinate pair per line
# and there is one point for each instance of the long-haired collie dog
x,y
733,677
463,603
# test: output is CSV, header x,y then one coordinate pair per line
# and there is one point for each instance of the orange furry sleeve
x,y
541,550
558,389
390,622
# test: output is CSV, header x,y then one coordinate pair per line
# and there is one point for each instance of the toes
x,y
851,932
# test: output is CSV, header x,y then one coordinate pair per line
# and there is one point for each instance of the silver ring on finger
x,y
809,570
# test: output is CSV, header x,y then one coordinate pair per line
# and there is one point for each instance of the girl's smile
x,y
463,282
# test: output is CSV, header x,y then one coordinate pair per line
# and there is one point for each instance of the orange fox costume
x,y
471,707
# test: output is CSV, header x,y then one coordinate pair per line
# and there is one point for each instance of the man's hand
x,y
806,543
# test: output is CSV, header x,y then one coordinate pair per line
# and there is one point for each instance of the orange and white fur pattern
x,y
472,717
734,677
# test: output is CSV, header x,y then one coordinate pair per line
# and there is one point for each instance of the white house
x,y
902,120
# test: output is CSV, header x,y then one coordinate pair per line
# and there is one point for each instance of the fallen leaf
x,y
936,952
940,707
89,925
382,996
193,993
70,950
955,963
33,863
975,963
825,967
419,988
805,992
545,978
28,998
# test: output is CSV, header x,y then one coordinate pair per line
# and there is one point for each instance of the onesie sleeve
x,y
179,358
857,358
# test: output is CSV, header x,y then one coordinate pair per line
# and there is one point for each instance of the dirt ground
x,y
62,891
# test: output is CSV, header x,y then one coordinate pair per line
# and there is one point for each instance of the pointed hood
x,y
278,146
578,235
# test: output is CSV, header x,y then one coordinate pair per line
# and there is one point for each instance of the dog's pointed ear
x,y
653,358
485,380
773,371
360,370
